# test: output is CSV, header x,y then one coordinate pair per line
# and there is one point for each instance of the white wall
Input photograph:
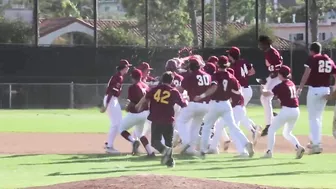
x,y
25,15
74,27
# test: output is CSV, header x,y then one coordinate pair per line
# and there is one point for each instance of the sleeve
x,y
333,67
178,99
275,90
309,62
184,83
235,84
150,94
113,88
214,80
275,59
130,93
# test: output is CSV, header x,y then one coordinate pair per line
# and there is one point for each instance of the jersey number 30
x,y
203,80
161,96
324,66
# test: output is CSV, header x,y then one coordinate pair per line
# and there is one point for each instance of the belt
x,y
247,87
221,100
204,102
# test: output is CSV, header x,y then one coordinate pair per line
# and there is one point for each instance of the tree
x,y
119,36
192,14
317,8
58,8
167,22
15,32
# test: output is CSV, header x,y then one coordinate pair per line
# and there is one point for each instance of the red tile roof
x,y
48,26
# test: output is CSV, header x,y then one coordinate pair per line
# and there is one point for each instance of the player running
x,y
134,118
317,74
162,99
145,68
273,61
288,115
112,106
195,83
222,86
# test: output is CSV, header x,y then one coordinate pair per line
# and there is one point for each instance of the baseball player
x,y
222,86
145,68
162,99
134,118
288,115
273,61
213,59
112,106
317,74
195,83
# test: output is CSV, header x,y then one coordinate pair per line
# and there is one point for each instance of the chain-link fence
x,y
73,95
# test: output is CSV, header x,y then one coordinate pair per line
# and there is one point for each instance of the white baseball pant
x,y
316,105
287,117
195,113
266,101
247,94
136,120
115,115
221,109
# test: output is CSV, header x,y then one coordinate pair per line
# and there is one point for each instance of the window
x,y
322,36
296,37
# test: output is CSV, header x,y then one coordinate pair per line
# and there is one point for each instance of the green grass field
x,y
35,170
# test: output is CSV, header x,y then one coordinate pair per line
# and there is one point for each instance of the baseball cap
x,y
234,52
144,66
210,68
194,61
124,62
284,71
230,70
213,59
136,74
223,60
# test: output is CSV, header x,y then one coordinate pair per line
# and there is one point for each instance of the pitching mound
x,y
153,182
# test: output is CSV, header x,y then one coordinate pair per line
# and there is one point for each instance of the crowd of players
x,y
192,101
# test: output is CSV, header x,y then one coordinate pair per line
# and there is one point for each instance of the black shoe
x,y
202,155
264,132
170,163
166,155
274,114
152,155
261,81
135,148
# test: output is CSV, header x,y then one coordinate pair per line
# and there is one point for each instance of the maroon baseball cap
x,y
144,66
210,68
223,60
234,52
194,61
230,70
124,62
284,71
136,74
213,59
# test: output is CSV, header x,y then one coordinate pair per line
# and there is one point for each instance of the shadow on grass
x,y
18,156
239,167
278,174
104,172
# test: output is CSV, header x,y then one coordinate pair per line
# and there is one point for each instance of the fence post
x,y
10,96
72,95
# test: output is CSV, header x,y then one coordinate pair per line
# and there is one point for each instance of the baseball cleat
x,y
309,145
184,148
202,155
226,145
191,152
152,155
135,147
171,163
274,114
315,149
110,150
265,131
213,151
250,149
299,152
268,154
167,154
242,155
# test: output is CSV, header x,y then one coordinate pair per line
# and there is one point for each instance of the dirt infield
x,y
62,143
154,182
67,143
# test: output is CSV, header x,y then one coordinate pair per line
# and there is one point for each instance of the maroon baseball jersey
x,y
177,80
237,100
162,100
226,82
196,83
286,93
135,93
322,67
274,59
114,87
241,68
